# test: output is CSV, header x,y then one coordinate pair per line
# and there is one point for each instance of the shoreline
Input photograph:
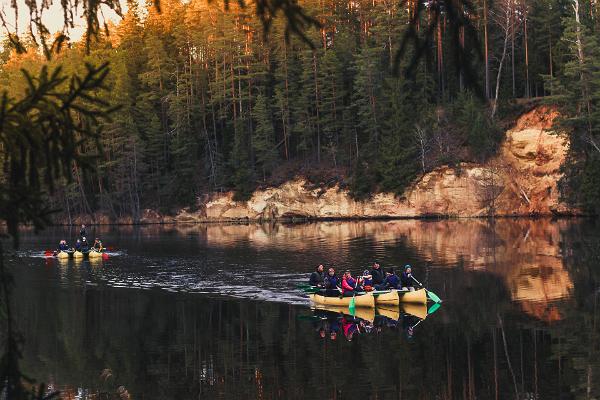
x,y
308,220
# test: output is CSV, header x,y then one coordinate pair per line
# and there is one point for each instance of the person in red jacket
x,y
350,286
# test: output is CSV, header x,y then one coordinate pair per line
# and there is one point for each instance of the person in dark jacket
x,y
406,280
377,276
78,245
316,278
85,246
392,281
331,283
63,246
82,231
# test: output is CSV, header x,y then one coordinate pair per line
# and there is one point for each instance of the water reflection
x,y
519,318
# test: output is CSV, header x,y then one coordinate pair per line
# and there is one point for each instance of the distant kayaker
x,y
82,231
78,245
377,275
406,279
317,277
392,281
331,283
98,245
63,246
85,246
350,285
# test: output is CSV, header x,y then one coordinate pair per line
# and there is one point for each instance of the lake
x,y
212,311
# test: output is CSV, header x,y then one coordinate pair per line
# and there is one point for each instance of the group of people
x,y
82,243
374,279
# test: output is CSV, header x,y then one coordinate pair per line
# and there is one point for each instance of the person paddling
x,y
78,245
406,279
82,232
317,277
367,280
98,245
350,285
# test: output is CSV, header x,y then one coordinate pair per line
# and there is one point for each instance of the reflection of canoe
x,y
389,312
418,296
387,298
366,313
418,310
363,300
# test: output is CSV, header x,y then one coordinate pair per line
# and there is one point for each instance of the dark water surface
x,y
211,311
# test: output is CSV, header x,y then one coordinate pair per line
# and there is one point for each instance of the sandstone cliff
x,y
520,180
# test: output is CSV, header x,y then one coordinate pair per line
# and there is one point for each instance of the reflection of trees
x,y
177,346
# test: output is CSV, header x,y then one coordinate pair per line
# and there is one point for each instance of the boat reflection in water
x,y
332,321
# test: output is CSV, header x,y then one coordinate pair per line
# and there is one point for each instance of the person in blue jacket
x,y
78,245
63,246
392,281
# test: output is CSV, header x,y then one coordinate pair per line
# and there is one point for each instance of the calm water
x,y
211,311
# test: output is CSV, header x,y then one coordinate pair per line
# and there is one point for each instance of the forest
x,y
370,95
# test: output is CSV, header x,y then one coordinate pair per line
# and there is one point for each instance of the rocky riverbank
x,y
521,180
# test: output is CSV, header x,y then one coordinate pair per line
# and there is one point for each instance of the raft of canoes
x,y
79,254
371,299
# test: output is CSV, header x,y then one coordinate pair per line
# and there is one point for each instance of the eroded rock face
x,y
520,180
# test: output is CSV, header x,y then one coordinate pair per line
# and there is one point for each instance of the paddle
x,y
433,308
430,294
352,305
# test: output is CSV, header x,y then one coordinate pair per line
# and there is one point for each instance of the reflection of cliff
x,y
525,253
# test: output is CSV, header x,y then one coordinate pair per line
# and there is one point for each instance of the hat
x,y
407,266
366,272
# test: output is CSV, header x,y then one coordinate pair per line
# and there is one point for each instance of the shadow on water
x,y
519,318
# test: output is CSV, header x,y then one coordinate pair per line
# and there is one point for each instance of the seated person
x,y
406,280
317,277
331,283
98,245
392,281
367,280
85,246
378,276
63,246
350,285
78,245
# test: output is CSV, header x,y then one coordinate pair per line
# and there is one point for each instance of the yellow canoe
x,y
63,254
95,254
363,300
418,296
389,298
78,254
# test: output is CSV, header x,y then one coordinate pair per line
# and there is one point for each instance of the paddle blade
x,y
352,306
104,256
433,308
433,296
